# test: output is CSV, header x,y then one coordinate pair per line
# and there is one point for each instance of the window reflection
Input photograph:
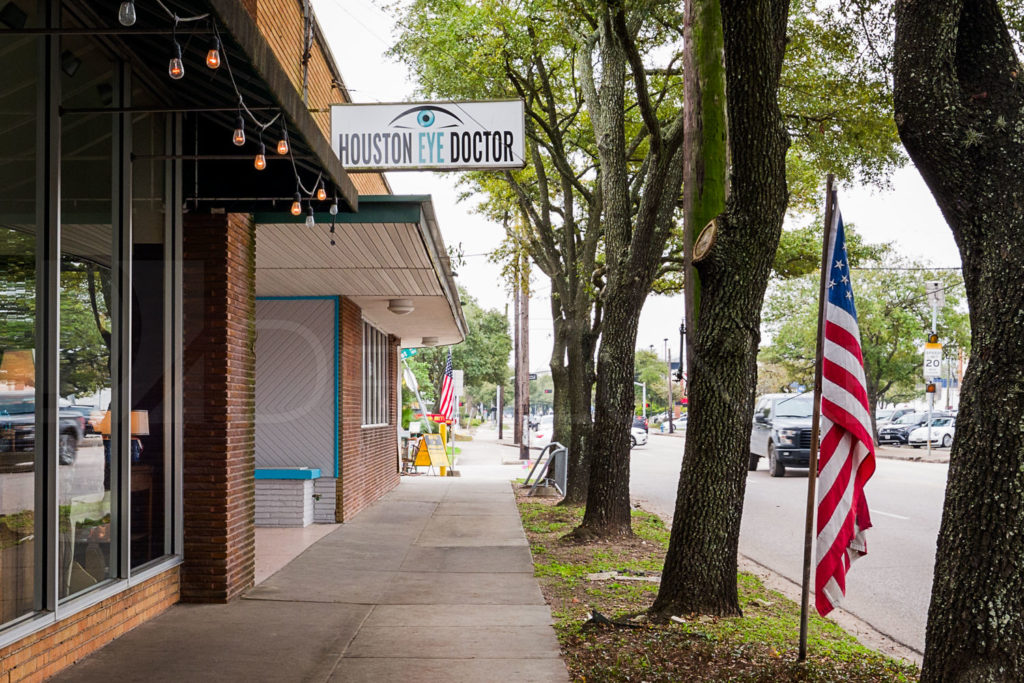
x,y
87,555
18,117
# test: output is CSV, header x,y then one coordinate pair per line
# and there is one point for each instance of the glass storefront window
x,y
87,546
18,316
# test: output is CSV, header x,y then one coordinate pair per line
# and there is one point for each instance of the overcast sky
x,y
359,32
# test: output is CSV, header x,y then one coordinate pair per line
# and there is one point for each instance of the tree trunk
x,y
579,385
608,510
705,146
700,567
959,103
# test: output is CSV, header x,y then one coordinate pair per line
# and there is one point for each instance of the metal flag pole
x,y
812,465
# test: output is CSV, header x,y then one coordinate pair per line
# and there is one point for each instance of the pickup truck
x,y
18,431
781,432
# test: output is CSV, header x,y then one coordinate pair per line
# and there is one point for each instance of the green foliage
x,y
894,318
649,368
483,356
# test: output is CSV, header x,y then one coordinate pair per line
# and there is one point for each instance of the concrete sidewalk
x,y
432,583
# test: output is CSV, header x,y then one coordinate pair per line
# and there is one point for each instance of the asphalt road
x,y
889,588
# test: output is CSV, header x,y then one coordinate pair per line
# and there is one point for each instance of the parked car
x,y
640,423
886,417
18,430
781,432
637,437
544,430
942,429
898,431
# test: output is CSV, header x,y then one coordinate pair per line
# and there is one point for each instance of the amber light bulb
x,y
176,69
297,205
321,193
213,56
239,137
261,159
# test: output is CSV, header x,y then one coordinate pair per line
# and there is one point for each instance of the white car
x,y
637,437
541,436
942,433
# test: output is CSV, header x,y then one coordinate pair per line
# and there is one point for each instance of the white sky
x,y
359,32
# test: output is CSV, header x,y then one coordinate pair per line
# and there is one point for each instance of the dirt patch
x,y
589,584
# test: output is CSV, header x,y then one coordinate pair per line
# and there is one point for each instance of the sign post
x,y
932,371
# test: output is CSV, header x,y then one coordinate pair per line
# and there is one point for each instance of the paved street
x,y
889,588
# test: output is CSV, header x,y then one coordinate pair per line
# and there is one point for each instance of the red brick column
x,y
219,407
368,462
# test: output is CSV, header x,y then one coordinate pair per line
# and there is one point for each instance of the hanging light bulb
x,y
261,159
239,137
176,69
282,144
126,15
297,205
310,220
321,193
213,56
334,207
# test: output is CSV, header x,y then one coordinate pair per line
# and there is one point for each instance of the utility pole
x,y
517,416
671,405
524,362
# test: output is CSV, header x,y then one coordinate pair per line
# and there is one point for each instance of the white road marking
x,y
888,514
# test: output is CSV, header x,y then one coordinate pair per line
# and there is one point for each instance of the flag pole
x,y
812,465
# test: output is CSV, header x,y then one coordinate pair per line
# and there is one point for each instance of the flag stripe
x,y
847,450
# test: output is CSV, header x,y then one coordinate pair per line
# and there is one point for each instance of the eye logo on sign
x,y
425,116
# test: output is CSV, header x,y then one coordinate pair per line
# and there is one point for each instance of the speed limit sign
x,y
932,361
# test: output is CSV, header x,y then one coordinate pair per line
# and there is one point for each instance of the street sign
x,y
408,353
932,361
533,375
936,293
457,381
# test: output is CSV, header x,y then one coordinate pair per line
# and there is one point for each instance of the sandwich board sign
x,y
431,452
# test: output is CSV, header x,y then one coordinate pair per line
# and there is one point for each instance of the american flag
x,y
444,408
847,453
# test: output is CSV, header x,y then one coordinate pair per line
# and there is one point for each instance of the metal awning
x,y
391,249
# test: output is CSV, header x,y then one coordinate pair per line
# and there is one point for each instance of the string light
x,y
176,69
334,206
239,137
261,159
321,193
213,56
282,144
126,14
310,220
297,205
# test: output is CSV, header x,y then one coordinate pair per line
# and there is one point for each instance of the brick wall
x,y
281,23
284,502
219,407
368,455
46,652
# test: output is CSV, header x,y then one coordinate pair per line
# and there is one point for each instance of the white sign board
x,y
932,361
448,136
457,382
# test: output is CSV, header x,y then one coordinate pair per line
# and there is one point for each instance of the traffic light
x,y
933,338
647,405
929,388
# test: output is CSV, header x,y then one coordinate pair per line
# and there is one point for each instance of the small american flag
x,y
444,408
847,454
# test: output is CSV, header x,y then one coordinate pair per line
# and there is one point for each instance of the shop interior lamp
x,y
430,341
213,56
126,15
310,219
401,306
297,205
239,137
261,159
176,68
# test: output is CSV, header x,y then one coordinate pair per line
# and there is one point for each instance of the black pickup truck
x,y
781,432
18,431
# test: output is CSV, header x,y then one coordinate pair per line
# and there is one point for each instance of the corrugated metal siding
x,y
295,360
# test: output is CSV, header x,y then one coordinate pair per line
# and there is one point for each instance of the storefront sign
x,y
446,136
